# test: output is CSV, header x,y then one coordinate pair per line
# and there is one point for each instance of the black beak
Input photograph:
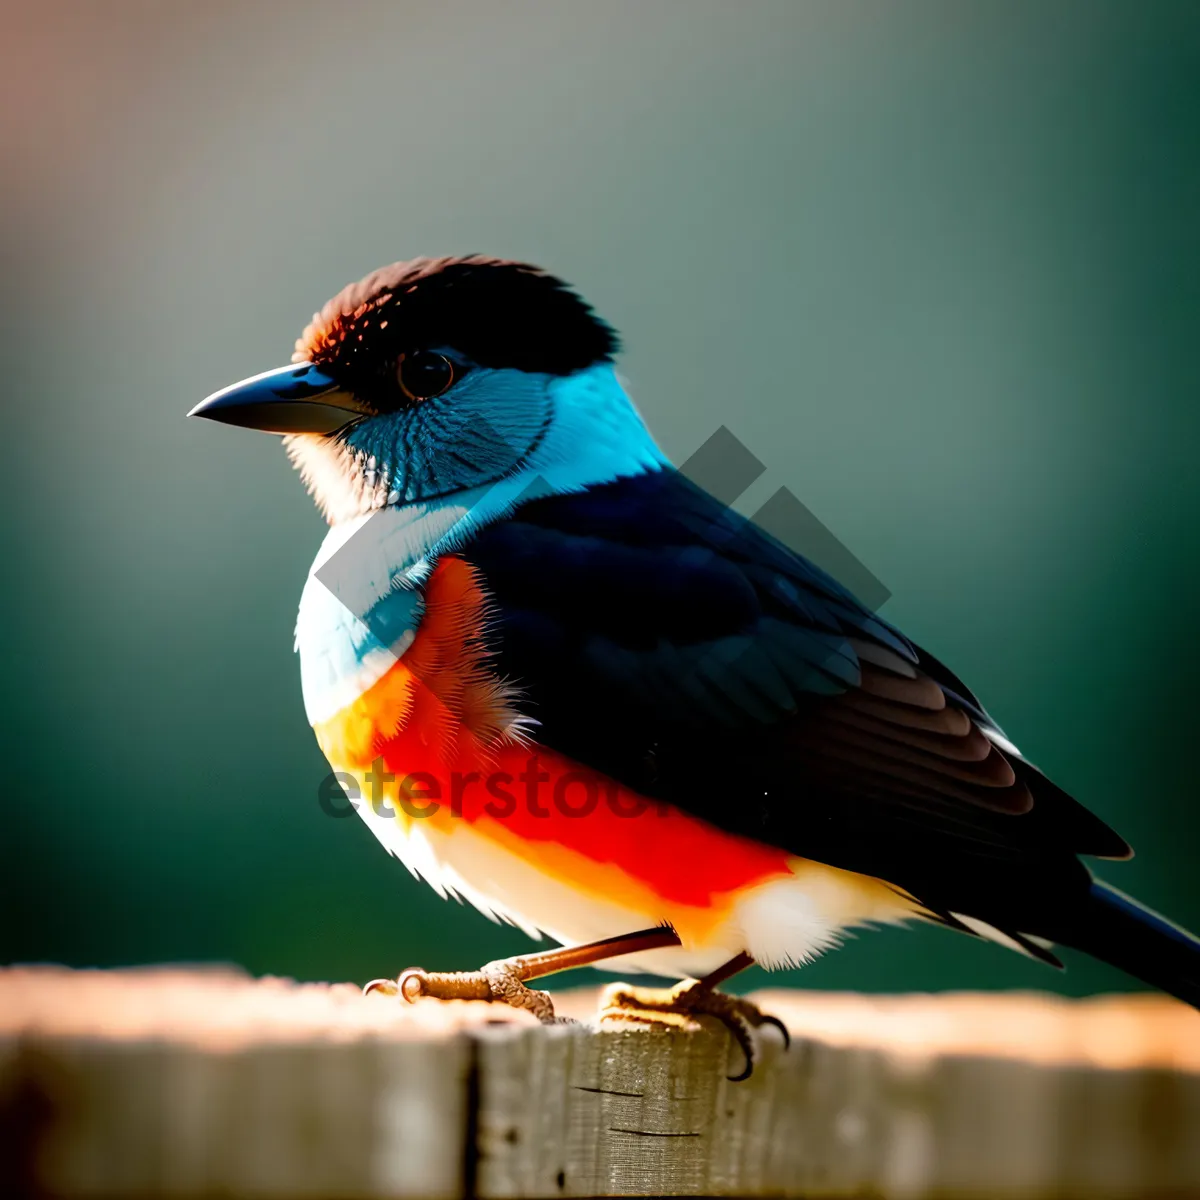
x,y
296,399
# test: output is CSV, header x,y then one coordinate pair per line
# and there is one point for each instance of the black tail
x,y
1120,931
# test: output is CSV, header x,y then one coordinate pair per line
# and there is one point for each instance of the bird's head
x,y
435,376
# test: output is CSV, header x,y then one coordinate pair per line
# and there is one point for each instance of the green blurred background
x,y
937,264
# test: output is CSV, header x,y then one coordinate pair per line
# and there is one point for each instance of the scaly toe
x,y
499,982
679,1007
506,986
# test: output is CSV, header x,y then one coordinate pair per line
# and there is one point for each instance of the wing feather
x,y
668,642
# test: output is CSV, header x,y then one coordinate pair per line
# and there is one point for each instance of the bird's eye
x,y
423,374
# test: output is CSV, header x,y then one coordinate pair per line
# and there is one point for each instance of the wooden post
x,y
158,1083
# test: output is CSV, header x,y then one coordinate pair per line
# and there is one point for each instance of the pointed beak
x,y
299,398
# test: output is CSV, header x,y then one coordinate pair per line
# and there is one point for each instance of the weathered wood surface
x,y
201,1083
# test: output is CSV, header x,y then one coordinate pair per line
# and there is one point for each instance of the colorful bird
x,y
564,682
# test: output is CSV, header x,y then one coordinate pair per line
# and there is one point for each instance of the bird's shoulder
x,y
651,565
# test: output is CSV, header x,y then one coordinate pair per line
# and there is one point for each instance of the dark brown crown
x,y
497,313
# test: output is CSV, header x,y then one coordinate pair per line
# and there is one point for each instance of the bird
x,y
560,680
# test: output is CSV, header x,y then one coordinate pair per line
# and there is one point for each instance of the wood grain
x,y
202,1082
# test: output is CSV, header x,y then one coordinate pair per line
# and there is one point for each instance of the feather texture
x,y
669,643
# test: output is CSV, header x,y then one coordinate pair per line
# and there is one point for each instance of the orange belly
x,y
438,749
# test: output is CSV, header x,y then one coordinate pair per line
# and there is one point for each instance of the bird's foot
x,y
498,981
679,1007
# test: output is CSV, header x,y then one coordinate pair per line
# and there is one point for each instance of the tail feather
x,y
1117,929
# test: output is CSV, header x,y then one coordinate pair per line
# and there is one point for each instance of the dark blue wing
x,y
661,638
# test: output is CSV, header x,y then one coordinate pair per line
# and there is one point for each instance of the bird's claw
x,y
679,1006
499,982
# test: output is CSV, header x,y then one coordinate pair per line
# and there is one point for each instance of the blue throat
x,y
363,599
